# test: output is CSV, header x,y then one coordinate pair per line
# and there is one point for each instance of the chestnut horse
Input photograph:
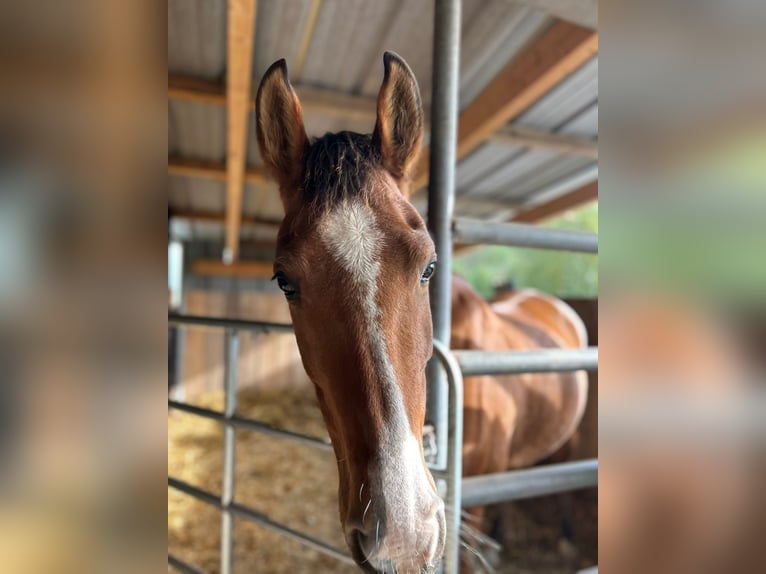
x,y
516,421
354,259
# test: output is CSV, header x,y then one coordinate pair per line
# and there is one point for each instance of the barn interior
x,y
527,150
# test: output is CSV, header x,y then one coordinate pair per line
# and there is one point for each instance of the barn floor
x,y
297,485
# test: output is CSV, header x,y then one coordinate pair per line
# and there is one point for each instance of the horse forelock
x,y
338,167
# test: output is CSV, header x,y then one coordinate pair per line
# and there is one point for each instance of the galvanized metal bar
x,y
474,363
239,324
176,336
194,491
529,483
523,235
441,198
183,567
252,515
454,474
262,520
231,359
250,424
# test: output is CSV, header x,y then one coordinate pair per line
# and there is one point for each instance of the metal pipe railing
x,y
231,354
474,363
529,482
441,198
182,566
472,491
250,424
239,324
252,515
523,235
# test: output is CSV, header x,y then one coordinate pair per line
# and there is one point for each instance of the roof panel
x,y
410,34
575,93
196,194
484,160
278,30
584,124
496,35
197,38
502,182
196,130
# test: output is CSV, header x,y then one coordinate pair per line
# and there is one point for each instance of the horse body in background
x,y
516,421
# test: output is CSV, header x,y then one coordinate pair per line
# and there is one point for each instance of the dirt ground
x,y
298,485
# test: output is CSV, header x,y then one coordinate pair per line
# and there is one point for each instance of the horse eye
x,y
427,273
290,291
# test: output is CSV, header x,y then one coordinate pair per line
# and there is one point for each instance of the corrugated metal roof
x,y
196,131
577,93
344,43
197,38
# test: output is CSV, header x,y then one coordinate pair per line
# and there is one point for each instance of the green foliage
x,y
557,272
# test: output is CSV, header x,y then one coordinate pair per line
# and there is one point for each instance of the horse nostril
x,y
366,542
358,546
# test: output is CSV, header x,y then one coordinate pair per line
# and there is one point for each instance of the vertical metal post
x,y
441,198
176,335
231,355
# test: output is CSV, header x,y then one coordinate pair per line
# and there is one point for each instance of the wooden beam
x,y
220,219
313,100
560,143
241,29
211,170
340,105
584,194
562,49
216,268
196,90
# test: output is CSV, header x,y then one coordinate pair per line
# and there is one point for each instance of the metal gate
x,y
230,509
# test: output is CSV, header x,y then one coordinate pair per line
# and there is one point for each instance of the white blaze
x,y
351,234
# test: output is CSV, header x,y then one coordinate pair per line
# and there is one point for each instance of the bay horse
x,y
354,260
516,421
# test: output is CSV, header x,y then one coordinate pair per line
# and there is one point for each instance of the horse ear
x,y
280,130
399,128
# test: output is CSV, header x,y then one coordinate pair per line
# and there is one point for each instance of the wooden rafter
x,y
219,219
216,268
196,90
562,49
313,100
560,143
346,106
211,170
241,23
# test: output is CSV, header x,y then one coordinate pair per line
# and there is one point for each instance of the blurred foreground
x,y
83,294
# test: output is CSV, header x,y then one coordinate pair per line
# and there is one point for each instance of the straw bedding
x,y
297,485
